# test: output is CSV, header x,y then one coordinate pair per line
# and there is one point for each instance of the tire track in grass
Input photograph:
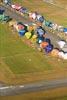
x,y
5,71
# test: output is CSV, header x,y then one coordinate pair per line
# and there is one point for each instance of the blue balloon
x,y
40,39
22,32
2,11
23,10
48,48
65,30
41,19
40,31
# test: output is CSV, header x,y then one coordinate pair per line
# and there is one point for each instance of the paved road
x,y
32,87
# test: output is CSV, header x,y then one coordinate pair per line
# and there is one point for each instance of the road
x,y
42,85
32,87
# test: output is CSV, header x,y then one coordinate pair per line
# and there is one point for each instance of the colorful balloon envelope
x,y
22,32
44,44
55,52
48,48
28,35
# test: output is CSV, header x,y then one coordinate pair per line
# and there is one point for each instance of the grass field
x,y
61,3
18,60
19,63
19,56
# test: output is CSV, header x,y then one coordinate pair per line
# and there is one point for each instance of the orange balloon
x,y
44,44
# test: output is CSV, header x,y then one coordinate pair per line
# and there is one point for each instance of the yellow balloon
x,y
28,35
34,38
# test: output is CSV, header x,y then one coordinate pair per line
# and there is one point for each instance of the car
x,y
2,11
6,18
23,10
16,7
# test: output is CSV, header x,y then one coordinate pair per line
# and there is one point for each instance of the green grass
x,y
61,3
32,98
18,56
22,59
